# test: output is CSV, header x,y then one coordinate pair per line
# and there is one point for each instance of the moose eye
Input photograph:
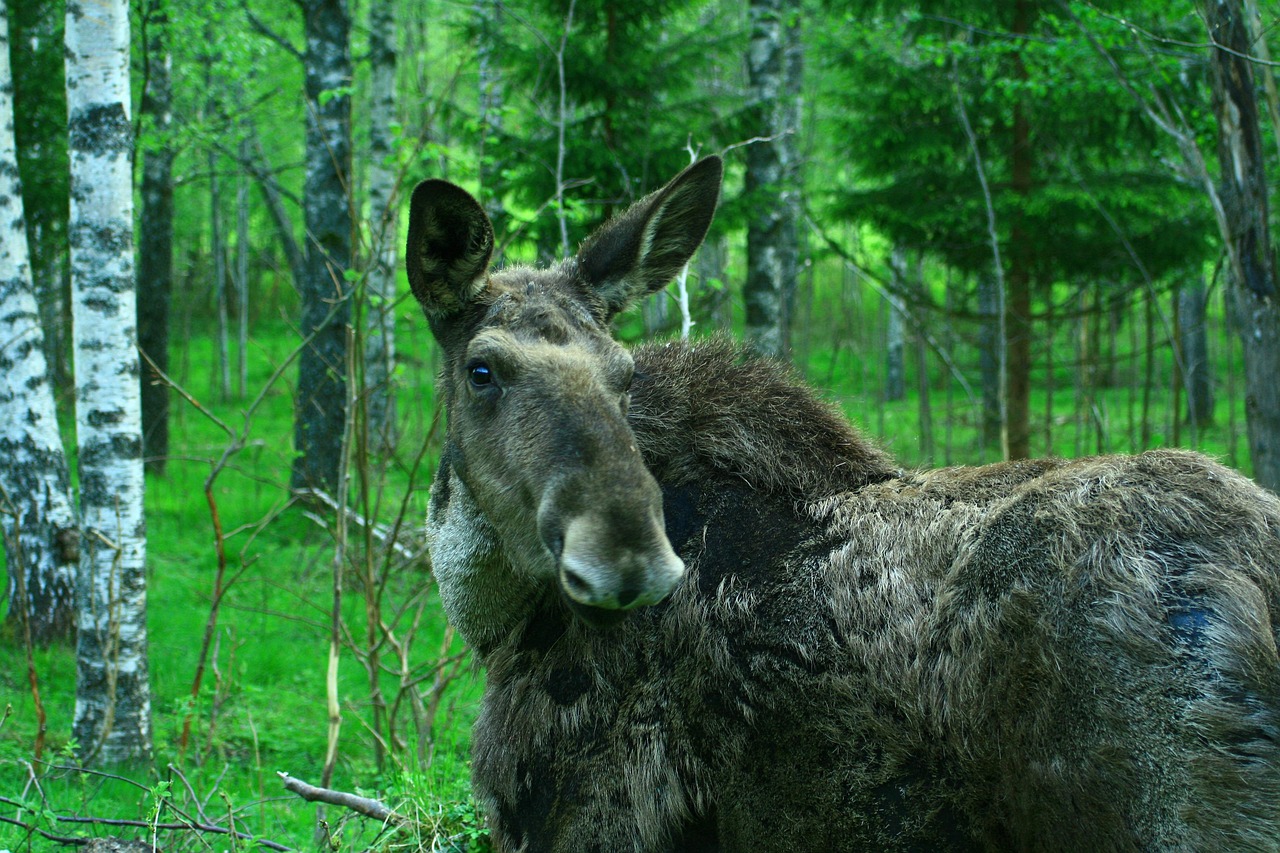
x,y
480,375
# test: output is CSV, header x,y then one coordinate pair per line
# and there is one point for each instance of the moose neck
x,y
701,412
708,410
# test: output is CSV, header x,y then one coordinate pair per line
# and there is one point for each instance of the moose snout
x,y
609,568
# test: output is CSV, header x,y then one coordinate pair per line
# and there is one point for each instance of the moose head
x,y
537,390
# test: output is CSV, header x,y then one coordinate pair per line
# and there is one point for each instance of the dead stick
x,y
360,805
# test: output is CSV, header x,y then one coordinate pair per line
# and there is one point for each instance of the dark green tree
x,y
1074,182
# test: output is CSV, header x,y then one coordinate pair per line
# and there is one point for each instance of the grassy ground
x,y
262,707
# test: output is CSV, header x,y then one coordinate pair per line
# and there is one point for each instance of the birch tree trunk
x,y
113,703
40,533
1246,234
320,405
155,242
488,22
773,69
384,207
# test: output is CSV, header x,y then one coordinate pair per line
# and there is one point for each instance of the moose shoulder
x,y
713,616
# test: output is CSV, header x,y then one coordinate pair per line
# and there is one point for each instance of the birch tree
x,y
40,533
320,404
773,62
113,704
384,220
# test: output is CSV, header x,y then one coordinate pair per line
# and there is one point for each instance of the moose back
x,y
713,616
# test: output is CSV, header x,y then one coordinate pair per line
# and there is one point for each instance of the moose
x,y
713,616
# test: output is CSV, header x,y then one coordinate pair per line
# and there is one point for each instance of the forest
x,y
984,230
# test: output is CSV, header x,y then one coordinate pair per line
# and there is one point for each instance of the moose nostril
x,y
575,584
627,595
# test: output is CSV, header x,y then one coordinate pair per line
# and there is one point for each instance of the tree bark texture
x,y
40,531
113,702
1197,371
320,403
989,360
384,231
771,183
155,245
488,15
1243,190
895,364
1018,280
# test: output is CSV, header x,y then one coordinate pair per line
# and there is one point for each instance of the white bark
x,y
113,707
35,499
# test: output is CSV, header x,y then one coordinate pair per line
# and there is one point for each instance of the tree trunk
x,y
155,244
488,21
384,220
320,404
40,532
989,360
895,369
242,277
1018,280
1251,267
1197,375
773,69
113,702
218,249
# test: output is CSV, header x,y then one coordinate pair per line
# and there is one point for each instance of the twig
x,y
189,826
380,532
361,805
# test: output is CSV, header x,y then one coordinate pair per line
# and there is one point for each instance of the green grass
x,y
262,705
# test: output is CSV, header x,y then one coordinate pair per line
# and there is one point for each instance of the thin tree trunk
x,y
218,249
924,406
242,278
1177,379
770,176
989,360
1019,278
1048,377
895,370
155,242
1149,365
1195,354
488,15
1251,268
113,700
41,537
384,208
320,403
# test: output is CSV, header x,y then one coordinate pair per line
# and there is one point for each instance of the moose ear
x,y
450,242
642,249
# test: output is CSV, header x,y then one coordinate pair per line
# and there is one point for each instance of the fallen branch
x,y
184,826
361,805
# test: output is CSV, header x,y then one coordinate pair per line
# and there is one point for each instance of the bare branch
x,y
271,34
361,805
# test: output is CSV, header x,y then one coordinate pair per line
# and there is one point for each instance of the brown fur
x,y
1042,655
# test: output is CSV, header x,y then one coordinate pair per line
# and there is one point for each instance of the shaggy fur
x,y
1042,655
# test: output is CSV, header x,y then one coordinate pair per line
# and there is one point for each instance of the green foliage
x,y
261,707
1099,203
